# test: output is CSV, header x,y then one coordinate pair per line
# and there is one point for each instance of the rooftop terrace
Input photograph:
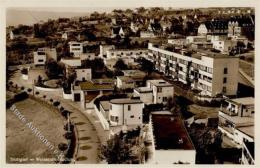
x,y
170,132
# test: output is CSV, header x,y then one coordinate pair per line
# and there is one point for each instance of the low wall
x,y
48,89
209,99
25,77
102,119
67,96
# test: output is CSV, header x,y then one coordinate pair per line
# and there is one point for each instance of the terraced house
x,y
211,73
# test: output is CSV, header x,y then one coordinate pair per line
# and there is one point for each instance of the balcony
x,y
228,111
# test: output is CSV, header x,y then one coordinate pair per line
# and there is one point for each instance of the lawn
x,y
203,112
21,142
247,68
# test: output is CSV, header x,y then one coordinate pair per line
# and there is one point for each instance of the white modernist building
x,y
211,73
103,50
42,54
76,48
120,53
162,90
145,94
72,62
236,119
83,74
126,111
39,57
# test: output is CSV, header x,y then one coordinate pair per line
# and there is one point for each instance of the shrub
x,y
61,108
11,83
68,135
24,71
21,96
29,89
62,146
22,88
56,103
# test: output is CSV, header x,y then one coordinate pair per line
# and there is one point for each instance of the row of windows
x,y
131,53
114,118
205,87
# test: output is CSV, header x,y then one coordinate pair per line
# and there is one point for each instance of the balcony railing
x,y
228,111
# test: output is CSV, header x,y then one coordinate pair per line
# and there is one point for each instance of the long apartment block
x,y
212,73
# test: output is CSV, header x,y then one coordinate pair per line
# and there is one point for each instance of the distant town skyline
x,y
30,16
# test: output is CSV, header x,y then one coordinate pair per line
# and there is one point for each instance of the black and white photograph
x,y
141,83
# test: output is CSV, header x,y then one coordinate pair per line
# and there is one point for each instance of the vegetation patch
x,y
86,147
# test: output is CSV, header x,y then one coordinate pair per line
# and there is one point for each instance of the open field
x,y
21,142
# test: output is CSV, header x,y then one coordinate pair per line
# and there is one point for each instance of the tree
x,y
120,65
39,80
53,69
146,65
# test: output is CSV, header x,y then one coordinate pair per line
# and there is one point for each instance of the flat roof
x,y
244,100
133,72
170,132
143,89
105,105
103,80
199,53
93,86
126,101
160,82
131,79
248,130
239,120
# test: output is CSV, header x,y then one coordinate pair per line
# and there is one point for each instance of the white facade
x,y
202,30
145,94
192,39
83,74
39,58
223,45
211,73
147,34
126,112
120,53
64,36
103,50
89,56
123,82
175,156
11,35
76,48
236,119
162,90
73,62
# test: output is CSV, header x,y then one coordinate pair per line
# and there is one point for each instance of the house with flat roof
x,y
162,90
171,141
86,92
83,74
209,72
76,48
236,119
127,82
126,111
104,108
39,58
145,94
